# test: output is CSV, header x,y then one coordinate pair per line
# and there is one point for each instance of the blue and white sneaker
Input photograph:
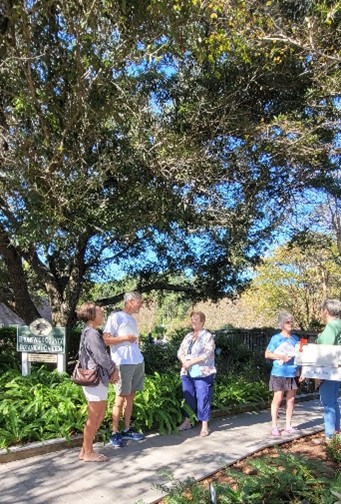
x,y
132,434
116,440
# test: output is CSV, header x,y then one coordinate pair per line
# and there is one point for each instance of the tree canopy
x,y
297,277
169,138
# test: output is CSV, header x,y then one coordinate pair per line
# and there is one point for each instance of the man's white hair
x,y
130,296
333,307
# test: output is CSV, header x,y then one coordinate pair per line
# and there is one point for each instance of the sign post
x,y
25,364
40,342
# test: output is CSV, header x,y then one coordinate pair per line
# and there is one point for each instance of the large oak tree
x,y
169,138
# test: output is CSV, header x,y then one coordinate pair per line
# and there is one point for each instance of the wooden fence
x,y
258,339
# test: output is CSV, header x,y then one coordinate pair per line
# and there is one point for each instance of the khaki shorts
x,y
131,379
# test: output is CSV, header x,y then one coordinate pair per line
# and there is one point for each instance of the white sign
x,y
38,357
319,361
38,340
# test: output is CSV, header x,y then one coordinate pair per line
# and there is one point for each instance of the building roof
x,y
8,317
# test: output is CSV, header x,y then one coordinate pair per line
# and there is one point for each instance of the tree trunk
x,y
22,302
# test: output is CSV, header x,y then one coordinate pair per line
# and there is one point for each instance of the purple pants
x,y
198,394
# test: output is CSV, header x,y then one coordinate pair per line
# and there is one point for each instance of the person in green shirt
x,y
329,389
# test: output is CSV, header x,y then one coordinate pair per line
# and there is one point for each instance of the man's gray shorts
x,y
131,379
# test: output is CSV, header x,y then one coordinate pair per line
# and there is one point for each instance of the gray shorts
x,y
131,379
282,384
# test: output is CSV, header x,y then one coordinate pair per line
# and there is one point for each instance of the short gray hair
x,y
333,307
130,296
283,317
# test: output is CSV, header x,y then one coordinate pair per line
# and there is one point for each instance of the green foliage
x,y
158,406
162,358
9,357
182,492
44,405
172,309
47,405
333,448
335,488
237,359
73,343
293,278
231,391
284,479
245,93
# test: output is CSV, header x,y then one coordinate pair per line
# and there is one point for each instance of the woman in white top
x,y
198,371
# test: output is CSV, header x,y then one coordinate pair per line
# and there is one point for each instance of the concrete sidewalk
x,y
128,477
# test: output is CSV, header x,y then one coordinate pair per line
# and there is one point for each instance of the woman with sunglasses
x,y
284,374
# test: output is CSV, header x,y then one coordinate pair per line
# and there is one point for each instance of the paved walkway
x,y
128,477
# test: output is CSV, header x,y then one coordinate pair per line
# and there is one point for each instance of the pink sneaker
x,y
290,430
275,432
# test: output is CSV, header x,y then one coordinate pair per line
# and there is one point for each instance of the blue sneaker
x,y
132,434
116,440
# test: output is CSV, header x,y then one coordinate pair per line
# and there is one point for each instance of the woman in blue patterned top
x,y
284,374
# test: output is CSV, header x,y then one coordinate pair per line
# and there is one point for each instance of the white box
x,y
319,361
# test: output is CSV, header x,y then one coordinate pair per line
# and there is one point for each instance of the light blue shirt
x,y
287,369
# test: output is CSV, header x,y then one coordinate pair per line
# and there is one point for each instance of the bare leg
x,y
204,429
128,410
290,397
116,412
276,402
96,413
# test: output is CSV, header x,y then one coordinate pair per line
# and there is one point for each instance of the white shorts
x,y
98,393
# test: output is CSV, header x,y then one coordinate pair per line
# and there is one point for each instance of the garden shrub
x,y
162,358
9,357
284,479
43,405
159,405
235,358
333,448
232,391
47,405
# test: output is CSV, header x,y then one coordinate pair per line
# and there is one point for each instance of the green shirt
x,y
331,335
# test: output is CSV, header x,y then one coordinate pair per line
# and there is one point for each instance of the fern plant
x,y
284,479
